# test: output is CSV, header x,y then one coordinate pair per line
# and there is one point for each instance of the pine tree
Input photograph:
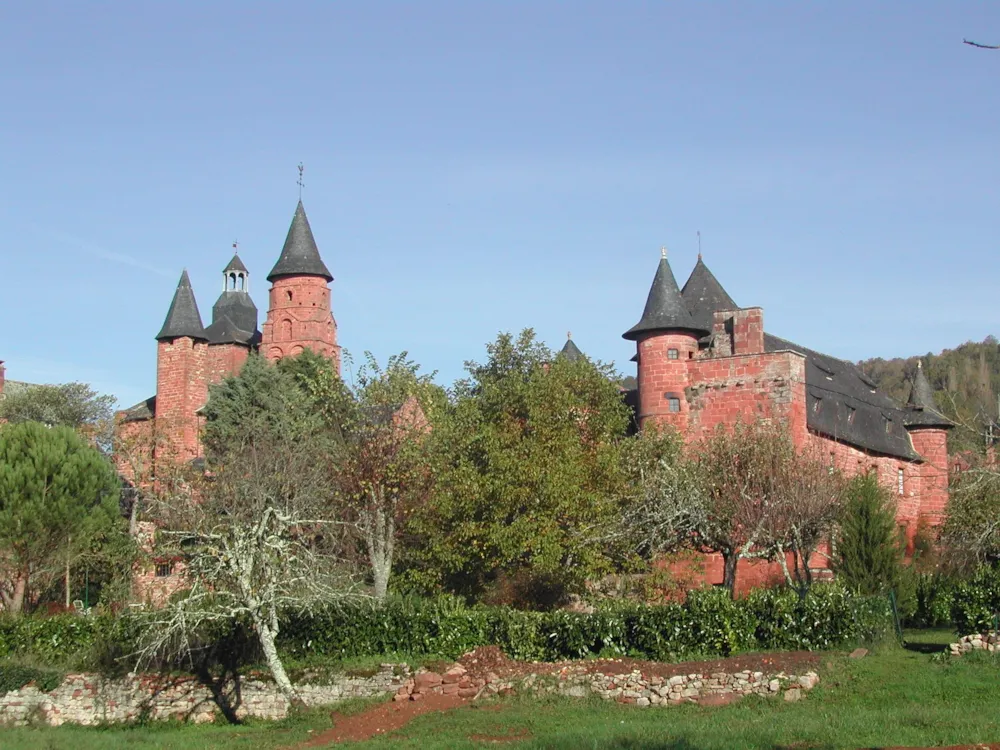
x,y
868,554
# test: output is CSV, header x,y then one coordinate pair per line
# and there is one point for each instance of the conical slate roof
x,y
299,256
704,295
236,265
665,309
571,351
183,318
924,412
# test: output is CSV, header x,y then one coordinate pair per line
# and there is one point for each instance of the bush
x,y
934,594
869,555
15,676
709,623
975,602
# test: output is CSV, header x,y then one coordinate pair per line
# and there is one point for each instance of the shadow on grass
x,y
925,648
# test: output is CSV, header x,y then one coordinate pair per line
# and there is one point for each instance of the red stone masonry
x,y
299,318
182,371
664,359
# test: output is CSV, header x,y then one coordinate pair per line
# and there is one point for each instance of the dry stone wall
x,y
976,642
89,699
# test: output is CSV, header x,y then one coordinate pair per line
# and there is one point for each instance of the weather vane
x,y
301,184
236,245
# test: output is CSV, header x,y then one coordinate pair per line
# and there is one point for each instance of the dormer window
x,y
672,354
851,411
817,405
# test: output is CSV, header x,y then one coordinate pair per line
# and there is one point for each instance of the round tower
x,y
666,341
928,430
299,315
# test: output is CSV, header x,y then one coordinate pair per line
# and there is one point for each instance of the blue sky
x,y
478,167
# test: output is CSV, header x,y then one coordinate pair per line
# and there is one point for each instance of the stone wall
x,y
976,642
89,699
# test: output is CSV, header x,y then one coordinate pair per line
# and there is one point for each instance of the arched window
x,y
286,329
243,282
232,281
288,295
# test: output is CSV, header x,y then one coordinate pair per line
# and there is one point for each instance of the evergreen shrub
x,y
975,602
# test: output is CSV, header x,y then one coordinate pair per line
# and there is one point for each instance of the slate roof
x,y
844,404
234,319
703,295
665,307
140,412
236,265
183,318
922,409
299,256
571,351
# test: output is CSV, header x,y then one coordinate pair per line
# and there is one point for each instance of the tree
x,y
56,494
381,471
256,538
527,477
868,551
970,535
74,405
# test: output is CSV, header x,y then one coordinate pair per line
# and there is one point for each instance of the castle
x,y
702,361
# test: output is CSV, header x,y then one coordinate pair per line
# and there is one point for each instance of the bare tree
x,y
257,537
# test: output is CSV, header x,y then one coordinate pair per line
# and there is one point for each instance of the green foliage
x,y
975,602
971,533
60,640
262,403
934,592
868,554
57,495
709,623
527,474
15,676
74,405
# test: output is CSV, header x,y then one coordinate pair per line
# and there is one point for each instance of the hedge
x,y
709,623
975,602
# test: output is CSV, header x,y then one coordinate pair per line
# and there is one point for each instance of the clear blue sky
x,y
478,167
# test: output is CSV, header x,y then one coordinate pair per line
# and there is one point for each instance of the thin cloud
x,y
99,252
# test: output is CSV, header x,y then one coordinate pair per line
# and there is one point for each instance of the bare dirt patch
x,y
384,718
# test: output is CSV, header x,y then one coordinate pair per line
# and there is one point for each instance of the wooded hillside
x,y
966,381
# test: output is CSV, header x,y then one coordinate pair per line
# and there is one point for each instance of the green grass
x,y
895,696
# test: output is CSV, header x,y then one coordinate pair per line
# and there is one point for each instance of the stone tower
x,y
666,341
233,333
928,430
299,315
181,372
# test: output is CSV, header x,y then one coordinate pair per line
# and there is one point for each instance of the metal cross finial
x,y
236,246
663,251
569,334
300,183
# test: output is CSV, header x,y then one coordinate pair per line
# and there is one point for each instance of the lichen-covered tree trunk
x,y
266,634
379,525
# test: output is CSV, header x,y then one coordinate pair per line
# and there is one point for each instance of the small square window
x,y
672,354
164,569
674,404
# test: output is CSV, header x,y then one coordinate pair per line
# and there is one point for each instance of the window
x,y
674,404
817,404
288,295
672,354
899,481
851,411
164,569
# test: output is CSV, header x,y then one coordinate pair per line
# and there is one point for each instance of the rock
x,y
677,680
858,653
642,702
793,694
774,686
401,697
808,680
426,680
450,688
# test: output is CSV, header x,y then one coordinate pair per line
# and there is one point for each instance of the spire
x,y
570,350
704,295
665,309
299,256
236,265
925,413
183,318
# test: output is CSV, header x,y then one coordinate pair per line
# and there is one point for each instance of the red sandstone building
x,y
703,361
191,356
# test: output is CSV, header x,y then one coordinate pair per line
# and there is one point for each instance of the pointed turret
x,y
924,412
183,318
571,351
299,256
704,295
236,265
665,308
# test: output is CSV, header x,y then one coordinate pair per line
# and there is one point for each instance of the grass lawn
x,y
893,697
